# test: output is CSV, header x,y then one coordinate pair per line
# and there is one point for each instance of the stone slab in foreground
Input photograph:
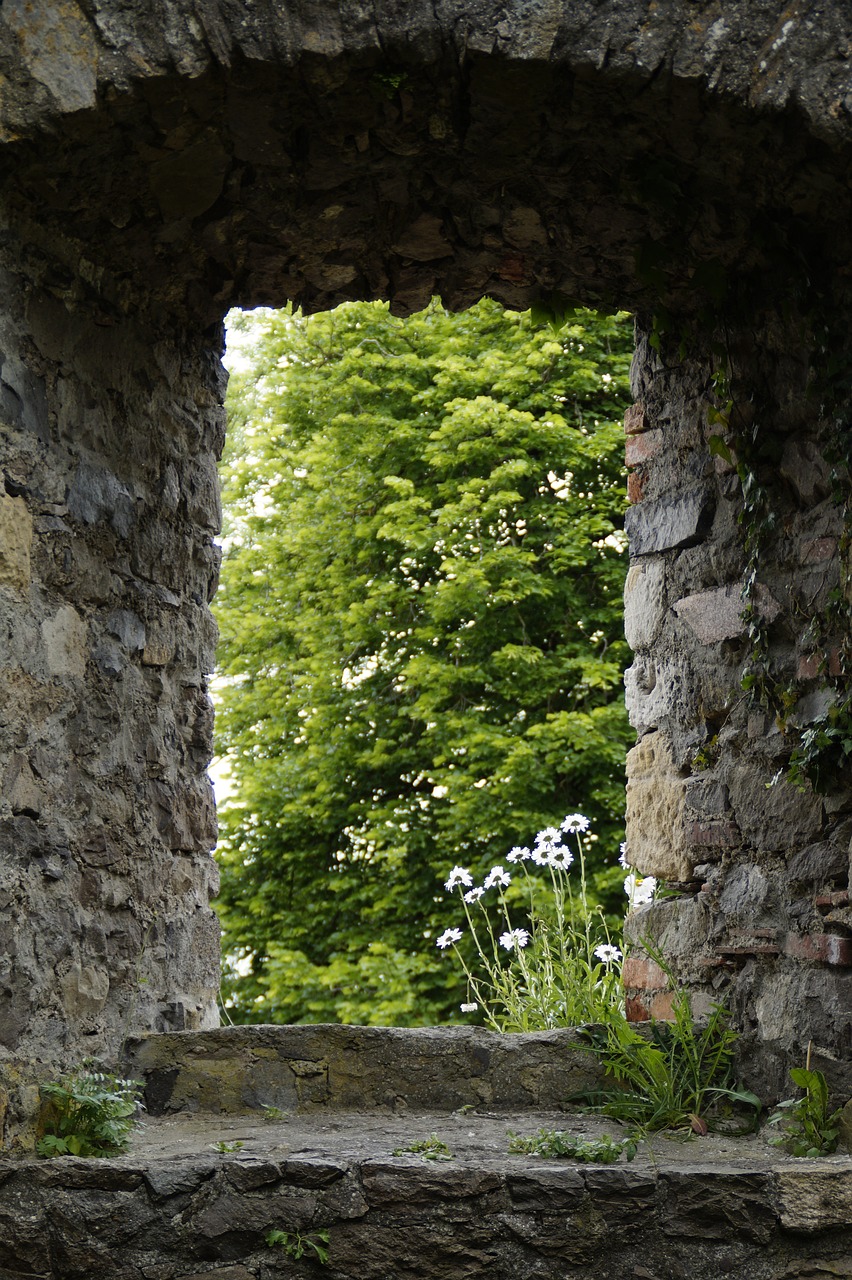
x,y
175,1209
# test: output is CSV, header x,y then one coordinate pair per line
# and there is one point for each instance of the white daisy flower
x,y
514,938
448,937
608,953
497,876
459,875
639,889
575,823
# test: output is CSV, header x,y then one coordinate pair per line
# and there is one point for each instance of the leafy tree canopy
x,y
422,646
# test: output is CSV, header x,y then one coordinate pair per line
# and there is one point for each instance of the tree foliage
x,y
422,648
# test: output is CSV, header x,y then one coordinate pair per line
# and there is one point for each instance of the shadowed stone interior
x,y
161,163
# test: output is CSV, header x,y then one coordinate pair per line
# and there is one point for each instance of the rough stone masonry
x,y
161,161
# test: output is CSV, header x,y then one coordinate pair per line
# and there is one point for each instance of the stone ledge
x,y
307,1068
175,1209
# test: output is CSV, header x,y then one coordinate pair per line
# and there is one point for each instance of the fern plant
x,y
89,1113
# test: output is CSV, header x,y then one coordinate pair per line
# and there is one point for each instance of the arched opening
x,y
646,165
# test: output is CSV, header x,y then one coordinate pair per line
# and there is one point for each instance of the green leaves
x,y
421,644
557,1144
809,1129
88,1114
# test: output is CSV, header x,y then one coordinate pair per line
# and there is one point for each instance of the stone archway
x,y
162,163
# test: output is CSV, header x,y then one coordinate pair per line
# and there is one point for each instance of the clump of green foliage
x,y
89,1113
431,1148
809,1129
681,1076
227,1148
296,1246
557,1144
824,751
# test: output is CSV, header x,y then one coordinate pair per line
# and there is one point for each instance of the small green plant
x,y
227,1148
89,1113
273,1113
824,751
681,1076
431,1148
563,968
296,1246
809,1129
556,1144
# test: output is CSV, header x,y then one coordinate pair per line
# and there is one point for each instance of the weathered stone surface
x,y
717,615
16,537
813,1200
172,1209
773,815
644,603
666,524
343,1068
656,793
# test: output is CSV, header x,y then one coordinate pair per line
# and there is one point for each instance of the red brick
x,y
808,666
662,1006
825,948
641,448
635,420
635,1009
749,949
715,834
636,485
828,900
642,973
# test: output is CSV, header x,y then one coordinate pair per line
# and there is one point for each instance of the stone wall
x,y
159,163
108,510
756,867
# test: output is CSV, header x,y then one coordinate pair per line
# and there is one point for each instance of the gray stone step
x,y
349,1068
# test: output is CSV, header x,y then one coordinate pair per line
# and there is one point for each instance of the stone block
x,y
806,471
20,789
772,817
658,692
127,627
636,482
656,793
717,1204
668,523
643,447
717,615
16,537
65,643
817,550
813,1199
644,603
635,420
84,989
746,895
96,496
819,863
